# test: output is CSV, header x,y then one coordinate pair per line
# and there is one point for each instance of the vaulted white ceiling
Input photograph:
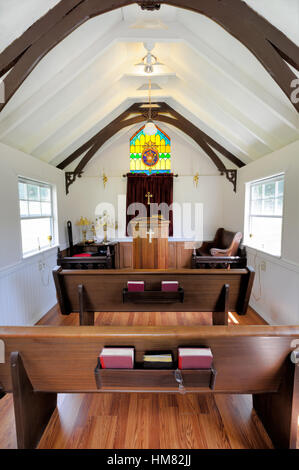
x,y
91,77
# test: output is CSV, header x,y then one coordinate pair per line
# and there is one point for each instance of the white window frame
x,y
248,214
49,186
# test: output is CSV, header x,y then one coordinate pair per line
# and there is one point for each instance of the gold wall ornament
x,y
196,179
104,179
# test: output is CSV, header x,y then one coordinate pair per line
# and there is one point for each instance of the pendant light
x,y
150,128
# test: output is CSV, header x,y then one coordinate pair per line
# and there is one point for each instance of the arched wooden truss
x,y
269,45
137,113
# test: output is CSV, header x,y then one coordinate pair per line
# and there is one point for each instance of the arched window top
x,y
150,153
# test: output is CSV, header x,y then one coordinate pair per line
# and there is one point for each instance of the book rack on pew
x,y
153,296
140,379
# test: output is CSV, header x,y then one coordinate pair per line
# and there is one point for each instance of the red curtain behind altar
x,y
159,185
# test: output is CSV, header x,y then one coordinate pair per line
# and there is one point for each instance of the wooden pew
x,y
43,361
214,290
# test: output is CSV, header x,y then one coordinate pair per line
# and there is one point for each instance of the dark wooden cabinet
x,y
172,255
179,256
183,254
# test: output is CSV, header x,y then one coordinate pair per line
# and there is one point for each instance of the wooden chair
x,y
43,361
217,291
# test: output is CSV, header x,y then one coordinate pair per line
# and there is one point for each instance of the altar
x,y
150,242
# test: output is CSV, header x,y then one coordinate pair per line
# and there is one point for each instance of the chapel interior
x,y
149,201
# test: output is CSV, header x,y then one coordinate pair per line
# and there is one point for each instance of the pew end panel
x,y
281,407
33,410
61,293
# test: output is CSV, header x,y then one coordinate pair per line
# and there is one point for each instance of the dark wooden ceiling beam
x,y
14,51
196,136
94,144
62,28
177,120
96,137
287,49
255,33
115,124
33,55
108,132
124,120
267,43
216,146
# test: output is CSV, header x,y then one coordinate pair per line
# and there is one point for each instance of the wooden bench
x,y
43,361
227,262
218,291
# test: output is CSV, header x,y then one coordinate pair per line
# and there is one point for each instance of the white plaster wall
x,y
276,290
26,293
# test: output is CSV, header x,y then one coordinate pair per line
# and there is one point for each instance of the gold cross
x,y
148,195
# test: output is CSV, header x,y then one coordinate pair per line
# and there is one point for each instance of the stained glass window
x,y
150,153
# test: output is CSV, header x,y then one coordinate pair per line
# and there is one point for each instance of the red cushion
x,y
82,255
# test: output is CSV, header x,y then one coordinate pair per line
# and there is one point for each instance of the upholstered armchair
x,y
225,243
224,248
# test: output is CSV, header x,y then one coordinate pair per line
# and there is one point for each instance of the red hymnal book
x,y
117,358
169,286
82,255
195,358
135,286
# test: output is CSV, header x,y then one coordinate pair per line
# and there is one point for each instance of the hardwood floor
x,y
53,317
146,421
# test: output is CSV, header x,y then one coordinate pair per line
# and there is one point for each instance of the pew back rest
x,y
248,359
203,289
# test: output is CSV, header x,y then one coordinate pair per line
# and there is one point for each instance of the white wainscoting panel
x,y
26,291
275,294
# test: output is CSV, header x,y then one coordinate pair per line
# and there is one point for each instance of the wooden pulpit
x,y
150,242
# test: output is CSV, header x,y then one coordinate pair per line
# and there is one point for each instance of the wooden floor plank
x,y
8,438
149,421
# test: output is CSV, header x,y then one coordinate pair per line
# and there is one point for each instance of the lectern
x,y
150,242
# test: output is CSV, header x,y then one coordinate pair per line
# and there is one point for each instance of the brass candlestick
x,y
105,222
84,223
105,229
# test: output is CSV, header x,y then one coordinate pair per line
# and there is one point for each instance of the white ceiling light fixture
x,y
149,60
150,128
154,86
